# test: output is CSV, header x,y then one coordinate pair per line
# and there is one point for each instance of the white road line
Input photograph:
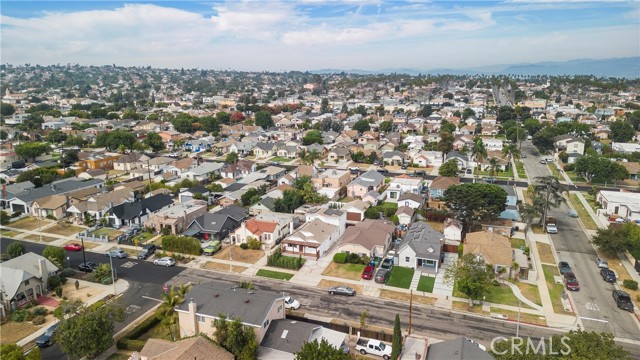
x,y
592,319
150,298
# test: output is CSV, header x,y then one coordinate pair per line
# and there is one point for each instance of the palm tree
x,y
493,166
478,150
512,151
547,191
166,311
312,156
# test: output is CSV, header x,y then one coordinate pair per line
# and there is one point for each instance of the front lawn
x,y
274,274
29,223
517,243
110,233
499,174
401,277
237,254
142,237
497,294
63,229
280,159
345,271
544,251
426,283
520,169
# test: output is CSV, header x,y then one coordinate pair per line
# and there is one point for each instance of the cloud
x,y
245,20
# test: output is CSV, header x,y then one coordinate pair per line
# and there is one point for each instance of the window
x,y
407,259
200,318
279,309
26,282
266,323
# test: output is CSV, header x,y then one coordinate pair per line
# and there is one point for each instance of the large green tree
x,y
386,126
362,126
89,332
42,176
166,312
236,338
55,254
154,141
15,249
615,240
546,192
15,352
321,350
263,119
622,131
312,137
595,166
7,109
113,140
472,275
396,343
56,136
475,202
449,169
31,150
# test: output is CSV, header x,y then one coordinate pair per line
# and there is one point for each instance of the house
x,y
136,212
428,158
196,347
286,337
405,215
369,181
269,228
203,171
393,158
9,191
217,225
633,168
98,161
24,279
96,205
626,148
338,154
402,184
492,144
619,203
330,216
313,239
330,181
177,218
188,194
94,174
372,197
511,211
206,302
22,201
290,152
367,238
263,150
266,204
130,161
440,184
159,163
453,230
239,169
495,249
457,349
421,248
569,144
463,160
412,200
51,206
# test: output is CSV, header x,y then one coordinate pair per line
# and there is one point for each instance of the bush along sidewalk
x,y
286,262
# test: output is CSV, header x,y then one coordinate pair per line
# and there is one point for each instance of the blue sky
x,y
316,34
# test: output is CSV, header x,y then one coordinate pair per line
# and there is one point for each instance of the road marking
x,y
150,298
132,308
592,306
129,264
592,319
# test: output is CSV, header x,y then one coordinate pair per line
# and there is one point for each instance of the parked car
x,y
573,214
490,180
404,166
212,248
46,339
523,156
382,276
165,261
608,275
87,267
368,271
382,170
602,263
571,281
543,161
420,173
552,229
342,290
73,247
146,251
373,347
291,303
564,267
623,300
117,253
387,264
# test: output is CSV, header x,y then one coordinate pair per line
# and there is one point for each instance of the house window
x,y
279,309
200,318
407,259
266,323
26,282
392,195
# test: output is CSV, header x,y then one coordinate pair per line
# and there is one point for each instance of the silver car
x,y
165,261
342,290
117,253
602,263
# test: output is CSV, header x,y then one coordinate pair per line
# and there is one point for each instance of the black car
x,y
382,276
564,267
623,300
87,267
608,275
46,339
420,173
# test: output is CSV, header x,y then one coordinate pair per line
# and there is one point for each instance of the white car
x,y
552,229
165,261
291,303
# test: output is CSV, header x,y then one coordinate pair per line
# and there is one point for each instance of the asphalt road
x,y
145,285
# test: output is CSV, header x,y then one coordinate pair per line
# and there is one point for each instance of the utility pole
x,y
149,173
518,325
113,277
410,309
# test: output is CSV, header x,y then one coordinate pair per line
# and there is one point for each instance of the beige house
x,y
496,250
196,347
332,178
177,217
24,278
312,240
368,238
206,302
369,181
52,206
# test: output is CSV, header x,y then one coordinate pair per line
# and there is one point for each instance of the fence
x,y
348,329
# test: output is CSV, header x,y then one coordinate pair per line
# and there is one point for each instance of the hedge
x,y
286,262
630,284
181,244
130,340
340,258
130,344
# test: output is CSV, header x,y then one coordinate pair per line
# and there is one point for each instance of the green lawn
x,y
554,170
504,174
400,277
142,237
111,233
498,294
280,159
584,216
520,169
591,200
517,243
388,205
426,283
555,289
274,274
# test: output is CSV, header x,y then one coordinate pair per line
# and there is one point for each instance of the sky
x,y
274,35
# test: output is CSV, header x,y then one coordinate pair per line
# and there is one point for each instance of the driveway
x,y
440,287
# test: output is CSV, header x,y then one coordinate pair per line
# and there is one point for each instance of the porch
x,y
302,250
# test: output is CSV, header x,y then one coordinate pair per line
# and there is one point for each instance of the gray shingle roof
x,y
214,298
424,240
457,349
57,187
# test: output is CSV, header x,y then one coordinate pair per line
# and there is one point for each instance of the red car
x,y
73,247
367,273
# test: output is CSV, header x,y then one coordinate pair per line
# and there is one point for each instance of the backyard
x,y
345,271
426,283
401,277
555,290
237,254
274,274
584,216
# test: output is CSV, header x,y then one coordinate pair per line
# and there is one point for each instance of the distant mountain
x,y
612,67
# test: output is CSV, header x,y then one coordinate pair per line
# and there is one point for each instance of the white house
x,y
428,158
453,230
402,184
492,144
421,248
622,204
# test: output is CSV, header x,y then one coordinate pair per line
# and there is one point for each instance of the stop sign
x,y
165,288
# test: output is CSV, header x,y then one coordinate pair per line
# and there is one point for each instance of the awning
x,y
190,232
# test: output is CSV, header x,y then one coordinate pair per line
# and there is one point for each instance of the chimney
x,y
192,315
4,191
291,227
44,272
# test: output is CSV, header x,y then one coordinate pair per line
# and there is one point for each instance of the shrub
x,y
286,262
638,297
181,244
38,320
51,217
59,291
16,214
354,259
254,244
28,317
143,327
19,315
630,284
244,246
39,311
366,260
4,217
340,258
15,249
460,249
131,345
54,281
68,272
106,281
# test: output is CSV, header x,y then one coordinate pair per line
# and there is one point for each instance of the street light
x,y
38,216
113,277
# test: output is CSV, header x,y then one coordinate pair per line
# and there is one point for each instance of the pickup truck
x,y
373,347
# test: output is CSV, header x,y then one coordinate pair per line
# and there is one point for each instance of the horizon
x,y
314,35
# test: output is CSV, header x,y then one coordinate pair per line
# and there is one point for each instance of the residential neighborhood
x,y
416,196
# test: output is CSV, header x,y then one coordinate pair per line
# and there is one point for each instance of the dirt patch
x,y
396,295
29,223
464,306
37,238
524,317
83,293
546,255
345,271
329,283
210,265
238,254
63,229
13,332
437,226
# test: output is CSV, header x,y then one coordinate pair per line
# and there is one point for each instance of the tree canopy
x,y
321,350
595,166
312,137
475,202
113,140
622,131
615,240
449,169
31,150
15,352
154,141
362,126
236,338
472,275
263,119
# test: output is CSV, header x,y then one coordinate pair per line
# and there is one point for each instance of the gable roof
x,y
259,227
443,182
368,233
411,196
19,269
493,247
236,212
423,240
186,349
131,210
457,349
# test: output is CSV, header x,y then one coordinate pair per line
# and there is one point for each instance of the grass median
x,y
274,274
